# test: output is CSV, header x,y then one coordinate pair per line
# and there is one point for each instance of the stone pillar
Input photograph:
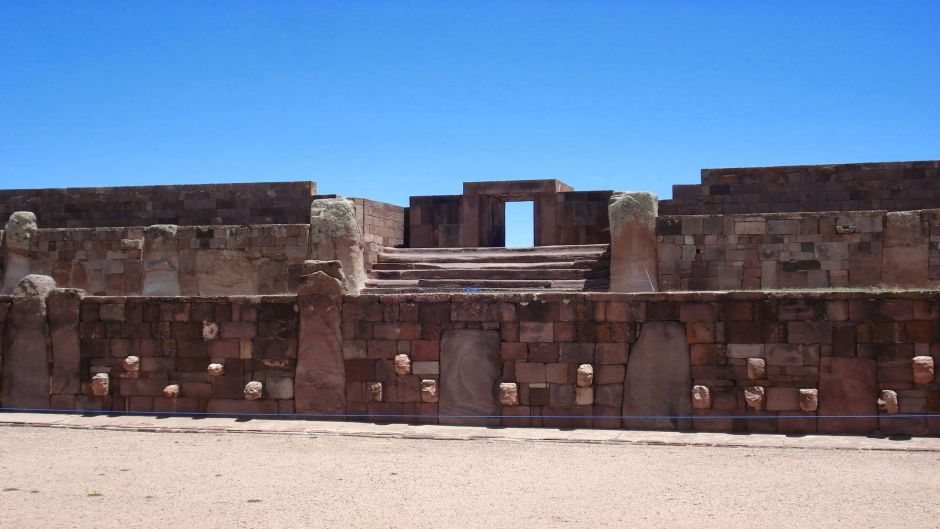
x,y
320,378
335,233
161,261
25,376
18,236
633,263
906,249
658,378
64,306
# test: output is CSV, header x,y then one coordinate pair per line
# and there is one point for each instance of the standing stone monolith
x,y
656,391
17,238
633,262
64,305
335,233
320,378
26,346
161,261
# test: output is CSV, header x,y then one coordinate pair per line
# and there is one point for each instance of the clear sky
x,y
388,99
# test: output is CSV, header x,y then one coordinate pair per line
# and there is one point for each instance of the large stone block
x,y
335,233
469,374
17,238
320,378
658,378
847,387
633,258
25,374
161,261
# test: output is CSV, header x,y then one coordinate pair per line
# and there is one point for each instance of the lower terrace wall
x,y
799,250
213,260
759,362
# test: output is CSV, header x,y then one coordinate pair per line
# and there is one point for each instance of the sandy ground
x,y
56,477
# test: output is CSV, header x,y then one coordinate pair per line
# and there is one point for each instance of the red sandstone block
x,y
516,416
385,372
819,332
779,354
662,311
700,332
237,330
696,312
564,331
783,399
513,351
543,352
139,404
737,311
506,312
800,309
434,312
921,331
236,406
577,353
428,350
530,331
386,349
896,309
530,372
609,374
843,340
396,331
744,332
538,310
508,331
473,311
620,311
360,370
708,354
611,353
556,373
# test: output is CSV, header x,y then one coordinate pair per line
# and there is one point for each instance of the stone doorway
x,y
519,220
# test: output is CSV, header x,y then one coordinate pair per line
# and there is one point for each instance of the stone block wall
x,y
173,341
741,361
434,221
382,225
214,260
185,205
895,186
581,217
799,250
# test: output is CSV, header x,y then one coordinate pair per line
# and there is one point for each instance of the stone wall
x,y
213,260
581,217
145,345
382,225
743,361
799,250
434,221
185,205
896,186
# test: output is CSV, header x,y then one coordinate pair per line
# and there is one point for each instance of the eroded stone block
x,y
216,370
756,368
402,364
584,396
888,401
923,369
809,399
429,390
585,375
131,364
701,398
100,385
375,392
754,398
633,258
172,391
253,390
509,394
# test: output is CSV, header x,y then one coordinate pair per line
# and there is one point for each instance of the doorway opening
x,y
520,224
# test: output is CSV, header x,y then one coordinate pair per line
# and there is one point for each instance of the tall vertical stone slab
x,y
25,378
469,377
335,233
633,262
659,379
906,249
848,386
161,261
320,378
64,306
18,236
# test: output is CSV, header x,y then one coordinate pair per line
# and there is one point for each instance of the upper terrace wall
x,y
477,218
799,250
761,363
895,186
213,260
185,205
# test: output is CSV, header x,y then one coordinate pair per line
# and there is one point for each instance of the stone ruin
x,y
780,299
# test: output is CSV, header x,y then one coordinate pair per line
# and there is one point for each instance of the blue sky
x,y
389,99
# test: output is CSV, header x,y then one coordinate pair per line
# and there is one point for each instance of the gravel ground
x,y
96,478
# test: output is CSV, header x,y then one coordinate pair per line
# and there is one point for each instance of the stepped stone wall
x,y
894,186
799,250
755,362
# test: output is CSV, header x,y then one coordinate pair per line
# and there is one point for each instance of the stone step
x,y
576,248
495,257
491,273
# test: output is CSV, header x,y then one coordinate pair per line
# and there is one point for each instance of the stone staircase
x,y
548,268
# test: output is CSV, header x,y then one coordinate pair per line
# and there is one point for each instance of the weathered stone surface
x,y
509,394
701,398
658,378
335,234
64,306
375,392
216,370
428,390
161,261
809,399
172,391
210,330
906,250
633,261
100,385
17,236
888,401
469,373
320,377
402,364
923,369
253,390
847,386
756,368
332,268
584,396
25,360
224,273
754,398
585,377
131,364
